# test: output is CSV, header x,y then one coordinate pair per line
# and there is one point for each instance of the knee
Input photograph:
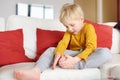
x,y
106,53
51,48
104,50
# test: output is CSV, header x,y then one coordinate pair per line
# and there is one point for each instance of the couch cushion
x,y
29,26
104,34
11,47
57,74
68,74
115,37
46,39
6,72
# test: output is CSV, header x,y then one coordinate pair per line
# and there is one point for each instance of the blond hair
x,y
70,12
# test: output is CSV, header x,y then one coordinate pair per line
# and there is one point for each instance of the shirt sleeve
x,y
91,42
63,44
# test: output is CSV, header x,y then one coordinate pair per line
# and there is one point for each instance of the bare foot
x,y
32,74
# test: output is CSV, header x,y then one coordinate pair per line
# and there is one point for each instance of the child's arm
x,y
61,47
63,44
91,42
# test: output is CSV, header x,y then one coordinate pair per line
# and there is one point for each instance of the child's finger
x,y
62,59
55,61
54,64
67,56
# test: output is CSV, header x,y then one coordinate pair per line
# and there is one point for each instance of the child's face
x,y
74,26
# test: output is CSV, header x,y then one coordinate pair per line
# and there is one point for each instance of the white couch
x,y
29,26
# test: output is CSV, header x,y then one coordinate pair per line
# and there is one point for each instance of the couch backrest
x,y
115,41
29,26
2,24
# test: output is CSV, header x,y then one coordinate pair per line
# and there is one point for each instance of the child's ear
x,y
82,19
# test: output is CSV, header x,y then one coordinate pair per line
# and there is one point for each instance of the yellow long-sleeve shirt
x,y
86,39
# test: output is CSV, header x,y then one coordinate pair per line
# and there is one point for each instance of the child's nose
x,y
70,29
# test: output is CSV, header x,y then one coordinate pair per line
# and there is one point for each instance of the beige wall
x,y
89,7
109,10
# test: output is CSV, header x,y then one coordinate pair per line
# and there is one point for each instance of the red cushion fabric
x,y
46,39
11,47
104,34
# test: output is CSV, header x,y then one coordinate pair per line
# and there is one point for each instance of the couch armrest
x,y
106,68
115,71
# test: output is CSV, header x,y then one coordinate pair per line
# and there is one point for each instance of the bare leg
x,y
31,74
42,64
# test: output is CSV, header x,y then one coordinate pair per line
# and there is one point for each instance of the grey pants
x,y
95,60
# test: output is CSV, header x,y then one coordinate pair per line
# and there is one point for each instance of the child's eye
x,y
66,26
72,25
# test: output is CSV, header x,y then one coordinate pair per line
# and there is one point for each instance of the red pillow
x,y
11,47
104,34
46,39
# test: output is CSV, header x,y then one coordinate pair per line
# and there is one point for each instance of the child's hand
x,y
68,62
56,59
62,58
